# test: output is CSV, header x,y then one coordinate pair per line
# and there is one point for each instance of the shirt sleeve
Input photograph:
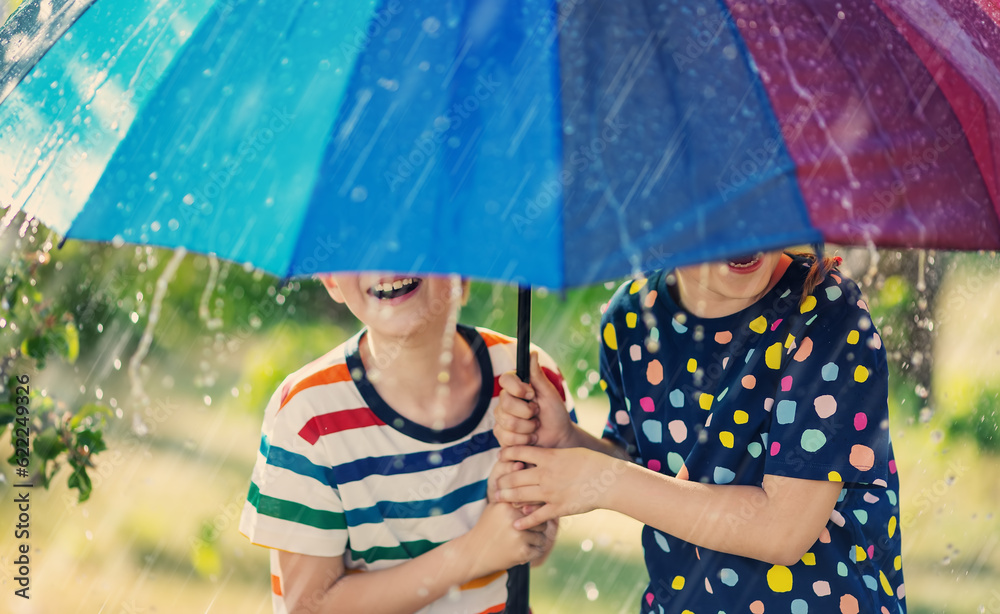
x,y
293,503
554,375
829,418
618,428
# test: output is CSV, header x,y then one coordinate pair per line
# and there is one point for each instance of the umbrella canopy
x,y
549,143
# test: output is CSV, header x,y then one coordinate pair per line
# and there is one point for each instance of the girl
x,y
751,398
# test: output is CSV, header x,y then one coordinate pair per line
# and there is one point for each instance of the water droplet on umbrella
x,y
173,224
389,84
188,199
431,25
359,194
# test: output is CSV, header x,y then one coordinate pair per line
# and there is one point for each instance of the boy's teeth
x,y
392,288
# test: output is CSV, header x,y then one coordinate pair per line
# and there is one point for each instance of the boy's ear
x,y
331,286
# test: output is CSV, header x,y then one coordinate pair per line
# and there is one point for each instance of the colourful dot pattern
x,y
779,388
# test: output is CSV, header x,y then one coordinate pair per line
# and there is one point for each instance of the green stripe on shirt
x,y
405,550
295,512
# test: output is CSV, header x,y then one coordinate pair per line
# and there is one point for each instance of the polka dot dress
x,y
778,388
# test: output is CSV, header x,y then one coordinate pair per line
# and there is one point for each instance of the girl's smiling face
x,y
717,289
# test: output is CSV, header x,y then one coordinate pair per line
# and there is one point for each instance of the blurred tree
x,y
45,433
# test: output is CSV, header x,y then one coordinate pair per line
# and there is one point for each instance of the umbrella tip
x,y
62,242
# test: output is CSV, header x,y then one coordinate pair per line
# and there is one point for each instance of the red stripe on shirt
x,y
557,381
335,422
330,375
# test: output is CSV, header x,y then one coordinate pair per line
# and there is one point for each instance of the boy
x,y
375,458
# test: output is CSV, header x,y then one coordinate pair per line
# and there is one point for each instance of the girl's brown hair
x,y
820,268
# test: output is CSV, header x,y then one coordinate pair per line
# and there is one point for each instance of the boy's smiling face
x,y
394,304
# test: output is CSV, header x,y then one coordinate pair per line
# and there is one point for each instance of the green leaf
x,y
80,481
94,440
72,337
48,445
88,410
36,347
8,413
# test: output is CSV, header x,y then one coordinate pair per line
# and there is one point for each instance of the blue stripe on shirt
x,y
418,509
396,464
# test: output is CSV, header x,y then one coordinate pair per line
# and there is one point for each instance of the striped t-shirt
x,y
340,473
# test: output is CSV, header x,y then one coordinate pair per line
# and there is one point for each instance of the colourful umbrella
x,y
544,143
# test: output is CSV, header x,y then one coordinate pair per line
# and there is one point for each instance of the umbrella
x,y
534,142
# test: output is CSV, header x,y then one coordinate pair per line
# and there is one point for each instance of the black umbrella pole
x,y
518,578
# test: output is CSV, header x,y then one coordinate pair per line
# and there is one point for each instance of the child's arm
x,y
535,414
776,522
313,584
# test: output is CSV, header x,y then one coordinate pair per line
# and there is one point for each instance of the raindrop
x,y
431,25
188,199
587,545
118,364
100,327
389,84
134,317
424,66
208,400
434,458
937,436
359,194
324,64
173,224
591,590
117,241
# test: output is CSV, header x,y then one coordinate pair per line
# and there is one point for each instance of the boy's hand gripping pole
x,y
518,577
